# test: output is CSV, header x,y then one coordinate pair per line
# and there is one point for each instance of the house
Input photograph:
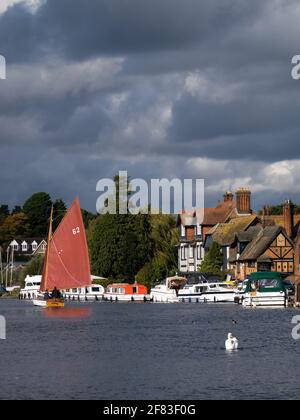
x,y
28,247
262,249
195,225
225,234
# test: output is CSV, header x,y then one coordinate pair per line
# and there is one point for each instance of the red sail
x,y
67,262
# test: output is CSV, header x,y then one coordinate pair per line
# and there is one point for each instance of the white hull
x,y
208,298
40,303
91,293
277,299
164,297
114,297
83,297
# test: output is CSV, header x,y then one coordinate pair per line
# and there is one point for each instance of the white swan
x,y
231,343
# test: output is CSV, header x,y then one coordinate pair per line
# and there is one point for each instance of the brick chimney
x,y
265,214
288,216
228,197
243,200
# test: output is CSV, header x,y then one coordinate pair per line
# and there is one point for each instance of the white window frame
x,y
182,231
198,229
183,253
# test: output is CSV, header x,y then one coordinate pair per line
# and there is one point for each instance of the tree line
x,y
122,247
31,220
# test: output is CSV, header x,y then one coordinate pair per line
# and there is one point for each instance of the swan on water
x,y
231,343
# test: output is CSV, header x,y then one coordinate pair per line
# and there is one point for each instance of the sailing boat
x,y
67,264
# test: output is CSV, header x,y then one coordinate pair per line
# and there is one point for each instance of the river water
x,y
147,351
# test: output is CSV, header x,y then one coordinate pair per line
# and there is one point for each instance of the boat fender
x,y
86,299
132,299
96,298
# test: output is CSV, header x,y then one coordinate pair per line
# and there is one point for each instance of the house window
x,y
198,230
251,264
182,231
24,247
34,246
15,247
199,253
191,252
183,253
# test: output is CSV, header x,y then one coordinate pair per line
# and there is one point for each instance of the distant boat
x,y
168,291
67,264
265,289
124,292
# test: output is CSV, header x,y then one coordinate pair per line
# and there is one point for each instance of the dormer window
x,y
34,246
24,247
14,245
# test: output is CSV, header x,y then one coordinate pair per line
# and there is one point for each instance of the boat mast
x,y
7,267
12,266
48,248
1,267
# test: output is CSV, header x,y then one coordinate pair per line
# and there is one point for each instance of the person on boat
x,y
56,293
47,295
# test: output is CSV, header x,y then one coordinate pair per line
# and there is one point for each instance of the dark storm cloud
x,y
150,86
81,29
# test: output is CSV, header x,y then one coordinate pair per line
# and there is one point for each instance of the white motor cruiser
x,y
207,293
168,291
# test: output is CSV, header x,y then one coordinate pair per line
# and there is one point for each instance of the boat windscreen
x,y
265,284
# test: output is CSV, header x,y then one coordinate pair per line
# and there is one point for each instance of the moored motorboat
x,y
168,291
124,292
265,289
92,293
207,293
31,288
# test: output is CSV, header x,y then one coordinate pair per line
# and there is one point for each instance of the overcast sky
x,y
161,88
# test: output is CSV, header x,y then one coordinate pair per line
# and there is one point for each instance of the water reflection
x,y
75,313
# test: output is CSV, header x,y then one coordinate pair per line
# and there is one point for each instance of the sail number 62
x,y
76,231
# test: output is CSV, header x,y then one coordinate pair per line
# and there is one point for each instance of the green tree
x,y
59,211
165,237
88,217
4,212
37,209
213,260
15,226
17,209
33,268
120,245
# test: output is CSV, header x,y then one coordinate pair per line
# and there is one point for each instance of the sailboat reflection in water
x,y
67,263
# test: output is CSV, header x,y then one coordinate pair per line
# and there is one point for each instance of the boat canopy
x,y
265,282
176,282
